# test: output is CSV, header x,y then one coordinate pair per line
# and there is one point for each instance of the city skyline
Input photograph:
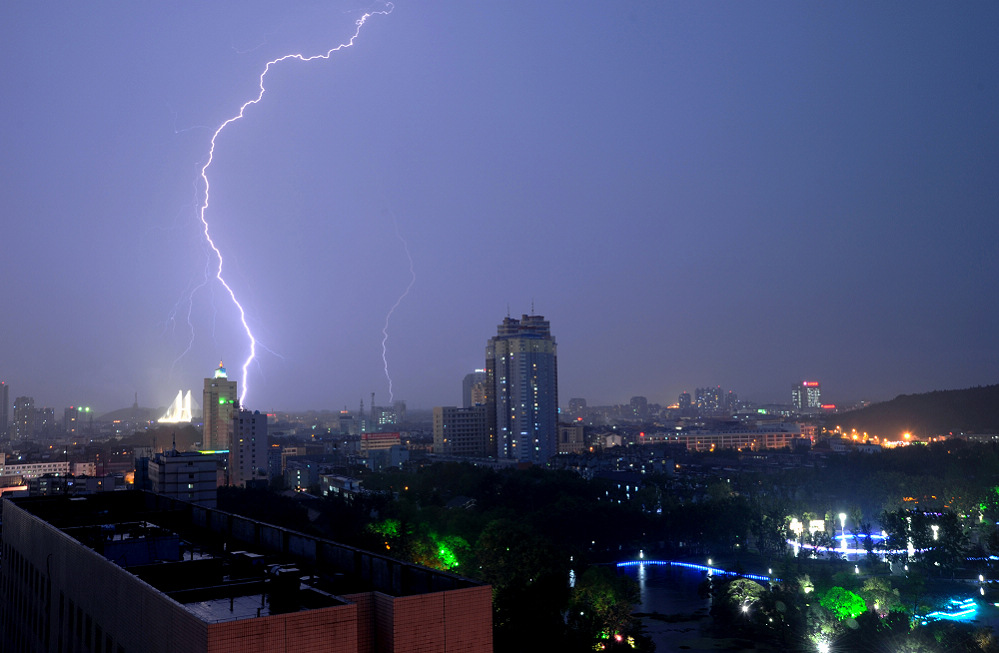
x,y
690,193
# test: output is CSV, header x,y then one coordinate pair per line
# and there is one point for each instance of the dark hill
x,y
974,410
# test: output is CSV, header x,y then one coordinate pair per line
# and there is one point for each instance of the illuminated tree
x,y
842,603
742,591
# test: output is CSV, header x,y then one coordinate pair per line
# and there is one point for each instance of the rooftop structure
x,y
135,571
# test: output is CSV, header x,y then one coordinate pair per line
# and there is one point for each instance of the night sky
x,y
693,193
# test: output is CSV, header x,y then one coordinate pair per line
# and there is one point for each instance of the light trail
x,y
211,157
385,336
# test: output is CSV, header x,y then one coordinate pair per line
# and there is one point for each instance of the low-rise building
x,y
137,572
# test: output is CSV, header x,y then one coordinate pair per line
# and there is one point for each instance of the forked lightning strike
x,y
412,280
211,155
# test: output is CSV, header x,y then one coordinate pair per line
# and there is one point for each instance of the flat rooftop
x,y
188,564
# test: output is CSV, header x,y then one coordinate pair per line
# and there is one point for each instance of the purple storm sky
x,y
693,193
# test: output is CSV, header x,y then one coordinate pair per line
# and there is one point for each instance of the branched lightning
x,y
211,155
412,280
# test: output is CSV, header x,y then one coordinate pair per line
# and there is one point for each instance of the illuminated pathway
x,y
690,565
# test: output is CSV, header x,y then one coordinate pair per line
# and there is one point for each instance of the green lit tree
x,y
842,603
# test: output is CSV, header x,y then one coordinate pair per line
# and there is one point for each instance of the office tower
x,y
24,418
4,408
806,395
684,401
218,405
248,453
462,431
522,387
468,387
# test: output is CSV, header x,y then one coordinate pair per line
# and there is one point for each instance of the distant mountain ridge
x,y
973,410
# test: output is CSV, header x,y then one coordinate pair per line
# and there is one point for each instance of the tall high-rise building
x,y
806,395
4,408
219,404
522,390
24,419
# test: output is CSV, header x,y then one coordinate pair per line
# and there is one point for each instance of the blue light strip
x,y
861,536
690,565
964,609
828,549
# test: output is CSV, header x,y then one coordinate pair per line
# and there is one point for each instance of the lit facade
x,y
379,441
522,387
806,396
35,470
753,440
219,406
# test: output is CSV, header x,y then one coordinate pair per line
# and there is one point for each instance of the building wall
x,y
326,630
248,453
736,440
571,438
55,591
462,432
188,476
34,470
379,441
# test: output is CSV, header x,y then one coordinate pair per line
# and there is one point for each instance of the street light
x,y
935,528
842,528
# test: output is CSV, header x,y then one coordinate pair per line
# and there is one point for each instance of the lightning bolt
x,y
385,336
359,24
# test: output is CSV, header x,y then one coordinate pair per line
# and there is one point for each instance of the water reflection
x,y
669,591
